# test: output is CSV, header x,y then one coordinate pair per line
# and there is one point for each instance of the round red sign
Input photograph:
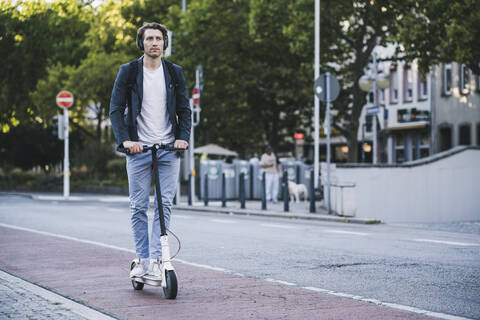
x,y
196,96
64,99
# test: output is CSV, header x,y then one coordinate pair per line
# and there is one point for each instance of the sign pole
x,y
64,100
316,113
192,155
374,118
66,160
327,87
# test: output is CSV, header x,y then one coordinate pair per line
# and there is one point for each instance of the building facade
x,y
420,115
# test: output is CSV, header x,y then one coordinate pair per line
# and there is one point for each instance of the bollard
x,y
286,196
242,190
312,192
205,194
224,191
264,191
189,189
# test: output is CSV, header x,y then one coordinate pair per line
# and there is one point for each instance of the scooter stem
x,y
163,229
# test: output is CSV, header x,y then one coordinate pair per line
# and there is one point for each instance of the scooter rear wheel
x,y
136,285
170,291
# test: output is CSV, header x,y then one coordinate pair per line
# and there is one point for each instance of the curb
x,y
279,214
238,211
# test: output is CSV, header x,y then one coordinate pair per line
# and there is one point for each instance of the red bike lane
x,y
97,276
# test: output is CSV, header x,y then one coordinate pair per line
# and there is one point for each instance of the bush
x,y
19,177
94,156
116,168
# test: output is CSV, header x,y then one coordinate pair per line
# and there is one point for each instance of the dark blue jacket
x,y
124,124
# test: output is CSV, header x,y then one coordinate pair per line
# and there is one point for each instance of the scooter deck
x,y
149,279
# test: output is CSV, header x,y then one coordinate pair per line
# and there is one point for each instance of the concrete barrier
x,y
441,188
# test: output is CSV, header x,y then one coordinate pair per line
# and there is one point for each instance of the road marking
x,y
279,226
222,221
280,281
453,243
51,297
318,290
180,216
437,315
347,232
66,237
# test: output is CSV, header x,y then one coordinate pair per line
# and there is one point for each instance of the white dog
x,y
295,190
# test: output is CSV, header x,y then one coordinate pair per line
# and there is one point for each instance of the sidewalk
x,y
299,210
20,299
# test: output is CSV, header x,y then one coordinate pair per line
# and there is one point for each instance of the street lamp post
x,y
371,82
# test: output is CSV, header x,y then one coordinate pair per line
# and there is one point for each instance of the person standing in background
x,y
269,163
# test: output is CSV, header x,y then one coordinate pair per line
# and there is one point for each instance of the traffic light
x,y
58,127
55,126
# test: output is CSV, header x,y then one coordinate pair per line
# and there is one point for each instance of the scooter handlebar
x,y
166,147
156,146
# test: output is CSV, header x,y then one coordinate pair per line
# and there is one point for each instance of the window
x,y
407,84
381,97
464,79
464,134
399,148
368,123
478,134
447,79
445,138
394,86
424,145
422,87
370,97
478,81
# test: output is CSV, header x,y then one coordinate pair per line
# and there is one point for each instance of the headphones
x,y
140,41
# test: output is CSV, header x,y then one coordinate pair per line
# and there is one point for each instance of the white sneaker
x,y
140,269
154,268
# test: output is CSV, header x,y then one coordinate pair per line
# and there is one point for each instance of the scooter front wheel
x,y
136,285
171,289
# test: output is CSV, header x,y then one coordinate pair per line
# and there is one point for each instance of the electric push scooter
x,y
168,280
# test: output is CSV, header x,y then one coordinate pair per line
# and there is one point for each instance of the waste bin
x,y
213,168
230,181
304,172
256,178
242,166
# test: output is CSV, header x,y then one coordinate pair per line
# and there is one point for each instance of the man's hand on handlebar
x,y
133,146
180,144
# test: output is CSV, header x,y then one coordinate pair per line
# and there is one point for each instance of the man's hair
x,y
151,25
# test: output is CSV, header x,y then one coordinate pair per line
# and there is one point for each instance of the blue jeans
x,y
140,173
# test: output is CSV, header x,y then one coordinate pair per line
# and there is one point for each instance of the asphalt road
x,y
431,267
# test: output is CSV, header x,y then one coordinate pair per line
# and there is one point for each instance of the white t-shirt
x,y
153,122
269,160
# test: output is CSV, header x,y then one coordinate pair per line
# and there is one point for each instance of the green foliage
x,y
34,35
438,31
27,146
95,156
116,168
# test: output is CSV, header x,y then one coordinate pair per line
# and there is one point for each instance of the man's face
x,y
153,43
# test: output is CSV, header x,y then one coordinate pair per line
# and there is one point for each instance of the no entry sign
x,y
64,99
196,96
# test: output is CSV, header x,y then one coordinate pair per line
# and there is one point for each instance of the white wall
x,y
446,189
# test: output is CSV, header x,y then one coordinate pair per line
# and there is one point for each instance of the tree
x,y
34,35
353,29
439,31
92,84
